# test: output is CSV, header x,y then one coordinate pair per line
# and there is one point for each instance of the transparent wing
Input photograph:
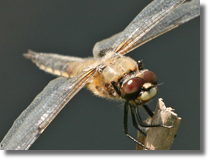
x,y
147,19
44,108
101,47
182,14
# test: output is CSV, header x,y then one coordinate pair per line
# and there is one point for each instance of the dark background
x,y
72,28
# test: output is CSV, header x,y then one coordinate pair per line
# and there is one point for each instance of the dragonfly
x,y
109,74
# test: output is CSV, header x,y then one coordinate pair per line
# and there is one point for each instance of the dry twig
x,y
160,138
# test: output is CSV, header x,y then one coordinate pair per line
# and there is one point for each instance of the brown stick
x,y
160,138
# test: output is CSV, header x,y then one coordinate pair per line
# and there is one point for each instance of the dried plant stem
x,y
160,138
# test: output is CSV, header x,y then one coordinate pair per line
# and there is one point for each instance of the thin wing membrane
x,y
180,15
147,19
101,47
44,108
137,33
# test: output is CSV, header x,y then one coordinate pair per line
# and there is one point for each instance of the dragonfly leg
x,y
136,112
126,108
135,123
148,111
117,89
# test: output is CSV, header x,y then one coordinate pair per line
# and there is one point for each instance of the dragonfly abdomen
x,y
51,63
60,65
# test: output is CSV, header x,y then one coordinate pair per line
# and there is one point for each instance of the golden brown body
x,y
113,69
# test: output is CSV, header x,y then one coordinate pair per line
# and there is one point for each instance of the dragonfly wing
x,y
44,108
135,34
101,47
147,19
180,15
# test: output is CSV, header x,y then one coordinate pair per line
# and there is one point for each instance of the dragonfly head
x,y
140,90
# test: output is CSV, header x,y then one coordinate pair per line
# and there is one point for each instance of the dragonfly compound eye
x,y
132,87
149,76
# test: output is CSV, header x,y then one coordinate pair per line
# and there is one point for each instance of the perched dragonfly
x,y
109,74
